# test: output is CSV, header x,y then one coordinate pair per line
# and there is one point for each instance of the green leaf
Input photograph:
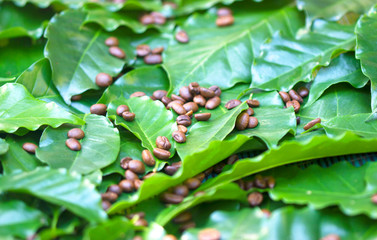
x,y
19,109
152,120
4,146
286,60
99,147
223,56
18,219
58,187
27,21
189,6
113,229
344,68
286,223
6,80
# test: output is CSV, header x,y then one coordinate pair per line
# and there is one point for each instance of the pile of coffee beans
x,y
150,56
74,135
244,119
29,147
114,49
124,112
163,146
224,17
153,18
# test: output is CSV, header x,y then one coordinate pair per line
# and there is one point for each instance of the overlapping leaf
x,y
4,146
115,228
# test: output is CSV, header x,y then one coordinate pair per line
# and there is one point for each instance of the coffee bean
x,y
137,94
191,106
76,133
266,212
136,166
163,142
250,111
216,89
178,108
189,113
147,19
109,196
153,98
182,37
141,222
121,109
158,18
295,96
242,121
208,171
106,205
253,122
161,153
374,198
117,52
76,97
303,91
177,98
150,174
115,189
29,147
232,103
169,237
179,136
213,103
270,182
158,50
136,214
128,116
295,104
171,170
137,238
124,162
224,11
181,190
182,128
224,21
252,103
260,182
202,116
194,88
103,80
171,198
312,123
182,217
241,184
218,168
130,175
255,199
137,183
73,144
200,176
232,159
185,93
127,185
158,94
200,100
183,120
165,100
298,120
186,226
112,41
142,50
148,158
284,96
249,185
152,59
331,237
192,183
209,234
99,109
206,92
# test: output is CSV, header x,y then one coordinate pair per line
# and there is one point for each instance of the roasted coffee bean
x,y
181,190
158,18
216,89
331,237
192,183
137,238
124,162
165,100
266,212
270,182
295,104
99,109
191,106
186,226
183,120
171,170
284,96
76,97
136,214
182,128
312,123
260,182
224,21
250,111
242,121
224,11
115,189
218,168
130,175
241,183
158,94
182,37
298,120
106,205
136,166
185,93
119,1
73,144
209,234
163,142
109,196
127,185
128,116
169,237
252,103
179,136
202,116
174,102
178,98
148,158
137,94
206,92
112,41
147,19
29,147
200,100
148,175
253,122
158,50
161,153
153,98
295,96
76,133
374,198
213,103
182,218
232,103
137,183
249,185
189,113
142,50
232,159
200,176
255,199
194,88
121,109
117,52
103,80
178,108
303,91
141,222
171,198
152,59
